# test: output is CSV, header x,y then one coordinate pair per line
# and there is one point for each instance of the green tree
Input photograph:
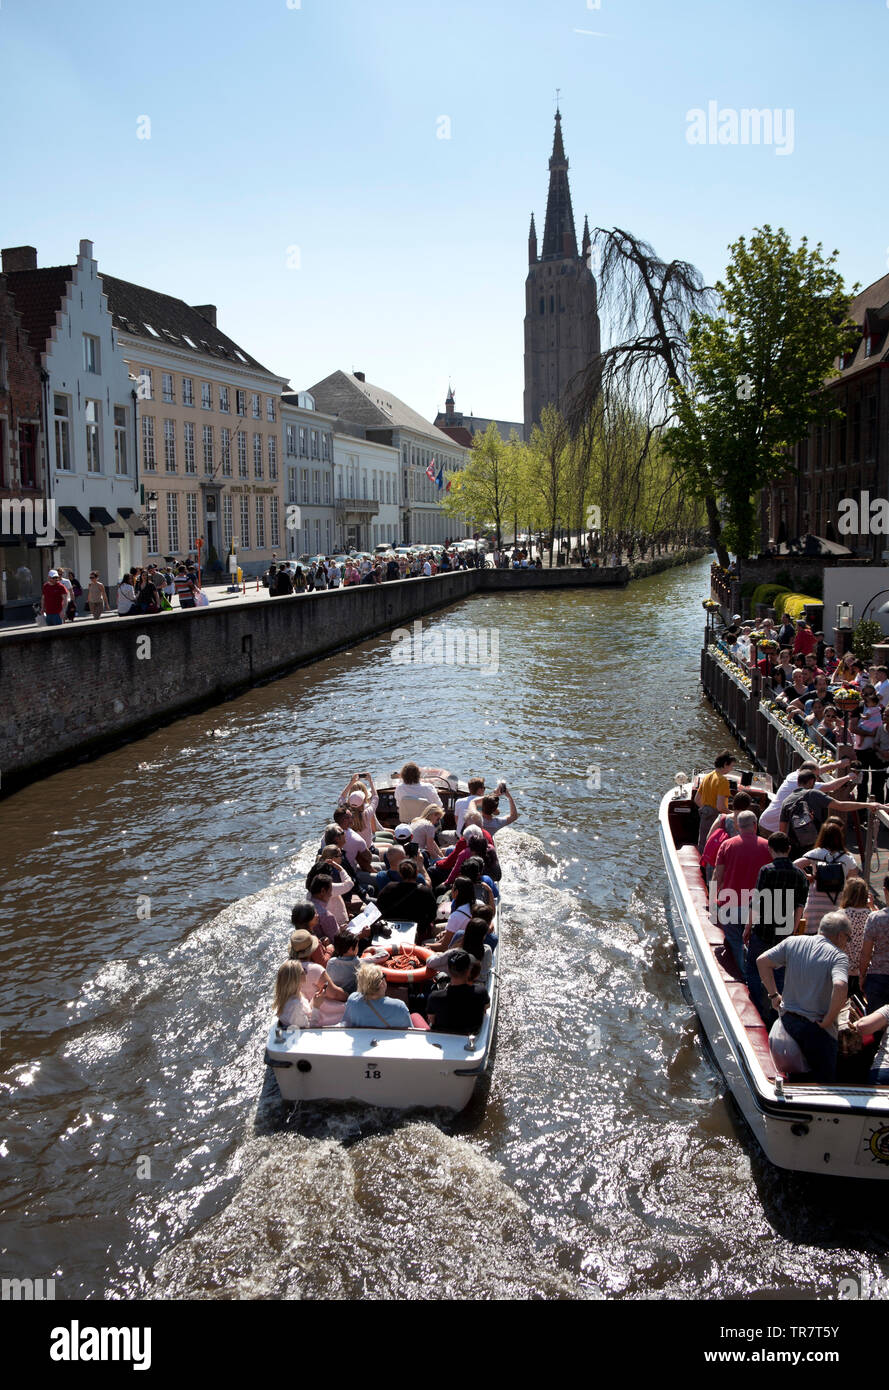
x,y
757,371
484,491
549,458
649,304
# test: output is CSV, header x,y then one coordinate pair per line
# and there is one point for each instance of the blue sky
x,y
316,127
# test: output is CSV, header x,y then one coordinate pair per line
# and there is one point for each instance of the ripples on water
x,y
146,908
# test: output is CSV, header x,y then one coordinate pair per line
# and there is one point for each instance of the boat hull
x,y
805,1127
391,1068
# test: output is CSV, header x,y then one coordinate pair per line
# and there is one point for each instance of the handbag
x,y
849,1040
200,599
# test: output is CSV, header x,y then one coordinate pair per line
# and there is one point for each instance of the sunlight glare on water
x,y
147,907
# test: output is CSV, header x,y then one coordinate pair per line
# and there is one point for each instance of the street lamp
x,y
883,609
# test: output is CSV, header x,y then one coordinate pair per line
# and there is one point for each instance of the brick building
x,y
22,461
463,428
89,399
848,456
561,317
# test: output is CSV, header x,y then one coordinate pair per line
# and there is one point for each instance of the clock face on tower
x,y
561,317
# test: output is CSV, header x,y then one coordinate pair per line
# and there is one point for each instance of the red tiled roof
x,y
38,296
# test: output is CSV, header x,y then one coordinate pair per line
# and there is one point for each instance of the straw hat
x,y
302,944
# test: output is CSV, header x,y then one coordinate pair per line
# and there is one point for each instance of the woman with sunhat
x,y
325,1001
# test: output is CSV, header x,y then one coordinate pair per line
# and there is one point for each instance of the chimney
x,y
207,311
86,249
359,376
19,258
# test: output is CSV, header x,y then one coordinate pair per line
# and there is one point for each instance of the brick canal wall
x,y
72,692
769,742
643,568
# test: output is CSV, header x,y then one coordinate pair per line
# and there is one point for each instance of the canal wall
x,y
772,739
643,568
575,577
70,693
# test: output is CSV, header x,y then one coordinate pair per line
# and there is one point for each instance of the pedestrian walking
x,y
70,610
96,597
55,599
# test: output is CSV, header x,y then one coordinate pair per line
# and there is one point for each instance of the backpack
x,y
801,826
830,878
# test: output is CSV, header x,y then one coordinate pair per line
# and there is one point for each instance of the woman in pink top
x,y
321,998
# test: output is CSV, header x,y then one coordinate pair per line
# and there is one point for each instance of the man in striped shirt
x,y
185,587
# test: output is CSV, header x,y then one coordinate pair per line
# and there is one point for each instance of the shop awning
x,y
125,512
77,520
99,516
31,539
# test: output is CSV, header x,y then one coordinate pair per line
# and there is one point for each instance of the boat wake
x,y
388,1217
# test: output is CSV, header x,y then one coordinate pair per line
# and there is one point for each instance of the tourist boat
x,y
839,1130
396,1069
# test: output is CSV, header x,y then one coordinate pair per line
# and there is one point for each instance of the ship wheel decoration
x,y
878,1144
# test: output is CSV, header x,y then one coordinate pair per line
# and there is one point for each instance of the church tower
x,y
561,318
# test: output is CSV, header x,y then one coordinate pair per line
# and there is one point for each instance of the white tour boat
x,y
840,1130
392,1068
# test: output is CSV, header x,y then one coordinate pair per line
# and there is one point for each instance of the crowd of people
x,y
445,882
802,674
800,924
144,590
325,572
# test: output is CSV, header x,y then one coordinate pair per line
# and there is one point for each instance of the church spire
x,y
587,240
532,242
559,236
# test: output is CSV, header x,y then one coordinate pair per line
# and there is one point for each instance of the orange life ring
x,y
403,977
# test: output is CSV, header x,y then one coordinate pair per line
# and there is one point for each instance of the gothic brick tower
x,y
561,319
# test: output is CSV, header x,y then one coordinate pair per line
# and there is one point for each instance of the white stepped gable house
x,y
90,411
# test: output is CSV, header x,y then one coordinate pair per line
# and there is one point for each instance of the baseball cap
x,y
403,832
356,798
53,574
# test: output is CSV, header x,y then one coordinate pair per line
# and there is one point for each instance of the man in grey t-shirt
x,y
816,986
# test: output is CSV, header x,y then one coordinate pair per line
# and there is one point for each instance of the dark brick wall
x,y
21,400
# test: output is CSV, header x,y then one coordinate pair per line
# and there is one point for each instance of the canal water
x,y
143,1152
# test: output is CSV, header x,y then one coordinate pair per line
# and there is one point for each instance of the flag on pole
x,y
430,471
448,485
439,480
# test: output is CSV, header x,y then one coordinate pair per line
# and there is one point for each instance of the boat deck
x,y
748,1014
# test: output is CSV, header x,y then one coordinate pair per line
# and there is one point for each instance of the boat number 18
x,y
372,1074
